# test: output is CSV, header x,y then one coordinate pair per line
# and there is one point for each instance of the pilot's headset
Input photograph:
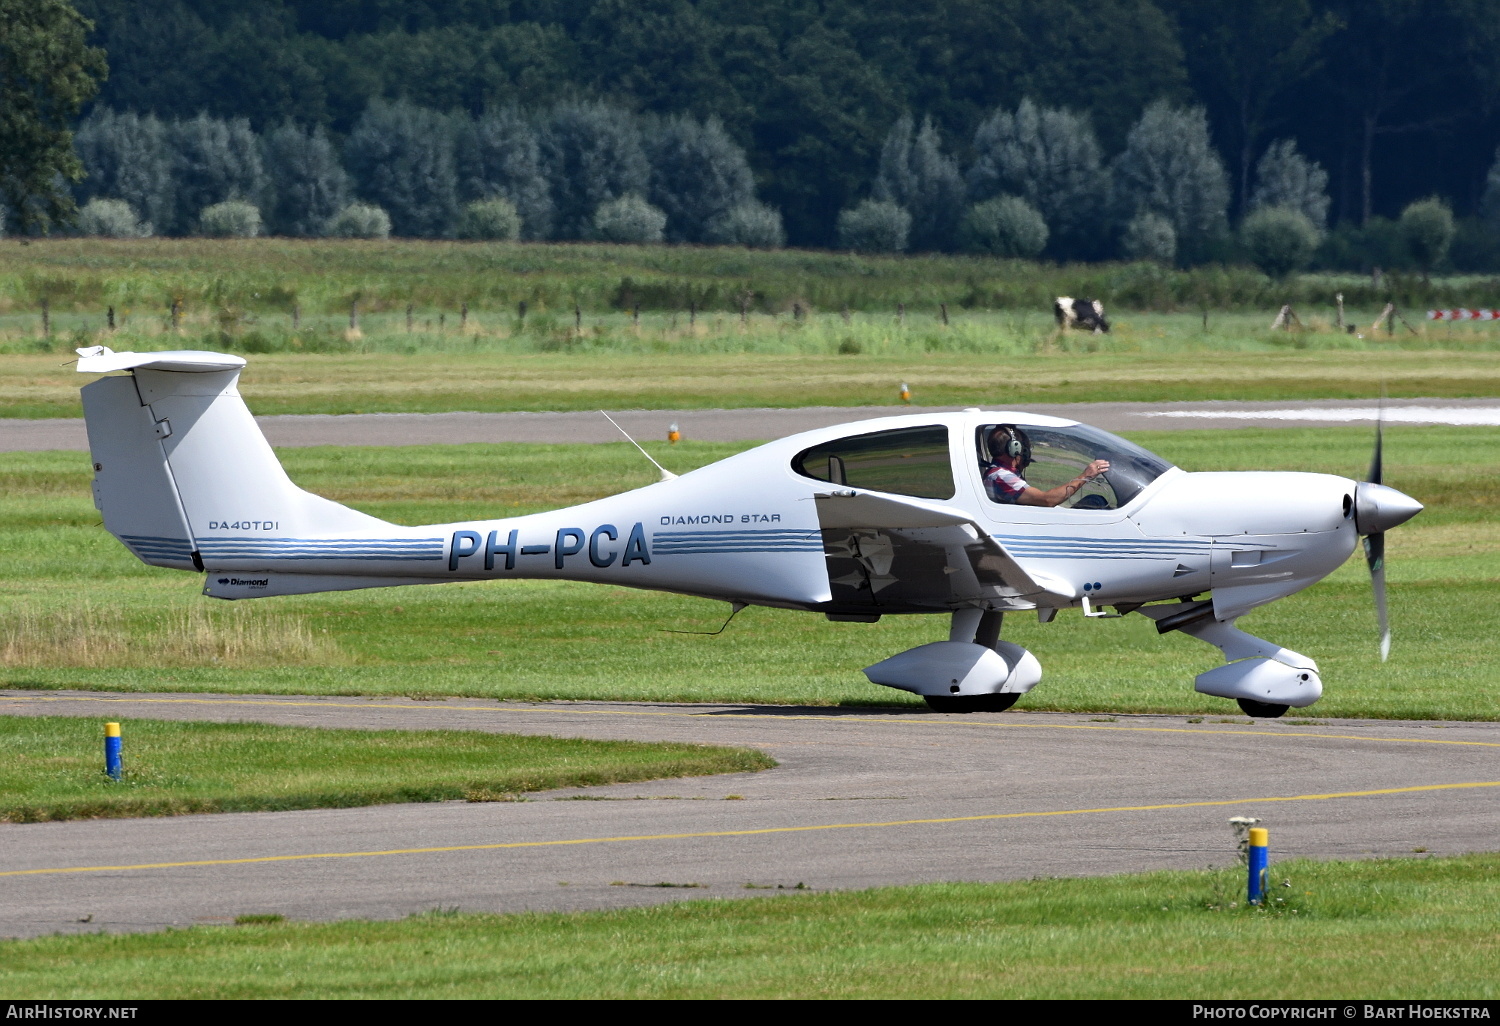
x,y
1009,440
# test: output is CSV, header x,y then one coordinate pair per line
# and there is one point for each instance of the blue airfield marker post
x,y
1259,846
112,766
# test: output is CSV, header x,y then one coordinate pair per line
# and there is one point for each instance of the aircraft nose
x,y
1379,508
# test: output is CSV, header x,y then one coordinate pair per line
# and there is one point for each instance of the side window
x,y
908,461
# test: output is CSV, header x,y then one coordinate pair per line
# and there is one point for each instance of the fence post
x,y
901,314
408,318
109,318
46,317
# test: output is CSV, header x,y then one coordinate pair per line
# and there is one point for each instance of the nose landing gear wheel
x,y
1261,710
970,703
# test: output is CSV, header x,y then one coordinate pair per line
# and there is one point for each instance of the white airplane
x,y
909,514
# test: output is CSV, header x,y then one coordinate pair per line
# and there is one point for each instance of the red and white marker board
x,y
1463,315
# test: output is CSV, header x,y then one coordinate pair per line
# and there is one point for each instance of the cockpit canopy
x,y
916,461
1053,456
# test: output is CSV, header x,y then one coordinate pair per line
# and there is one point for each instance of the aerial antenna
x,y
666,475
734,610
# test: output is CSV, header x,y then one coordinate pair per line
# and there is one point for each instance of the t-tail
x,y
185,479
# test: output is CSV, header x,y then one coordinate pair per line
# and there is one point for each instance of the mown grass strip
x,y
1168,363
1391,929
51,767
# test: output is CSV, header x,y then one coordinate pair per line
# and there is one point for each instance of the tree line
x,y
580,170
1038,185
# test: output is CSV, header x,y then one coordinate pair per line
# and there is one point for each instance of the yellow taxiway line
x,y
923,722
748,833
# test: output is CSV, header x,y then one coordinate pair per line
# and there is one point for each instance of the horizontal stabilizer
x,y
104,360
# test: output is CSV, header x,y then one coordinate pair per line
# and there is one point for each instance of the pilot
x,y
1009,454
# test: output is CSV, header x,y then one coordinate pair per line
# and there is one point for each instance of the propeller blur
x,y
972,515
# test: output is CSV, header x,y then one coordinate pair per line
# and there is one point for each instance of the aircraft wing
x,y
887,551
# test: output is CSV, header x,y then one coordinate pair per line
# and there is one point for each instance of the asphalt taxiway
x,y
860,798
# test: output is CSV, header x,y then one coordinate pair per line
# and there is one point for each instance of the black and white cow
x,y
1080,314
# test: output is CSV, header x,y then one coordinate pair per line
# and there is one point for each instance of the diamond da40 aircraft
x,y
972,515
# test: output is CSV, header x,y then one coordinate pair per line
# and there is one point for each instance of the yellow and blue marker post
x,y
1259,848
112,764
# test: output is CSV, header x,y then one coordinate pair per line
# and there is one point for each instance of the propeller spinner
x,y
1377,509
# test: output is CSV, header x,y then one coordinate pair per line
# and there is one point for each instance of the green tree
x,y
498,157
1285,178
401,159
751,224
629,219
47,74
1006,226
1171,168
698,174
1050,159
309,183
917,176
874,226
490,219
359,221
592,155
1149,236
1278,240
127,157
1427,230
213,161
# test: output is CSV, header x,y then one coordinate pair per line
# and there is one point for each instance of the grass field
x,y
50,767
654,327
230,277
1398,929
78,611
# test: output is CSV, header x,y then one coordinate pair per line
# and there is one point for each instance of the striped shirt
x,y
1003,485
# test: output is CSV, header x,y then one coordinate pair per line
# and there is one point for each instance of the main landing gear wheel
x,y
970,703
1261,710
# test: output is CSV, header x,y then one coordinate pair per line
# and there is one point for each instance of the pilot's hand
x,y
1096,468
